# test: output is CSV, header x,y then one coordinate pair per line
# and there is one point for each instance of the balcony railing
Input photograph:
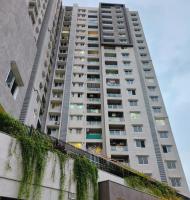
x,y
93,110
10,128
113,84
93,122
113,95
93,70
117,133
94,99
93,89
119,148
116,119
115,106
111,66
93,79
94,136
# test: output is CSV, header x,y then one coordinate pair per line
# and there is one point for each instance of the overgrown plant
x,y
142,183
85,171
34,151
62,159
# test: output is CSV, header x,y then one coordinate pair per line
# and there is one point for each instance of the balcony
x,y
117,133
112,84
93,123
114,106
115,116
113,95
95,100
95,148
94,136
116,119
93,86
119,148
93,89
93,111
93,77
118,145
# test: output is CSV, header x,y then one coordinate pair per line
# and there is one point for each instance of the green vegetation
x,y
145,184
34,149
85,171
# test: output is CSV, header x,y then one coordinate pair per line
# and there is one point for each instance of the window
x,y
171,164
14,80
147,70
110,55
154,98
166,148
134,115
156,109
160,122
175,181
128,71
152,88
137,128
163,134
140,143
130,81
143,159
133,102
126,63
76,106
131,92
125,54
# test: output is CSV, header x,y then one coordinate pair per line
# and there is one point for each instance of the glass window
x,y
156,109
131,92
133,102
130,81
140,143
143,159
137,128
175,181
134,115
163,134
154,98
171,164
160,122
166,148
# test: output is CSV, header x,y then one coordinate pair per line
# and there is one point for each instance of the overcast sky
x,y
166,25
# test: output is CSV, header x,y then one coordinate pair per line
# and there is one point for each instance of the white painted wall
x,y
10,154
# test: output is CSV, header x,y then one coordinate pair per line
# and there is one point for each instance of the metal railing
x,y
101,162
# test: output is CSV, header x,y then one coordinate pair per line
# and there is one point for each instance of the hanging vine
x,y
143,184
62,159
34,150
85,171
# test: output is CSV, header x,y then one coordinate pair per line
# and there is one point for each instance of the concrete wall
x,y
112,191
16,44
10,155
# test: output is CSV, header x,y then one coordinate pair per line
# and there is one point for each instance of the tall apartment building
x,y
105,97
85,76
27,43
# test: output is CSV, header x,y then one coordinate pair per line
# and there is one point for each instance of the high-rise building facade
x,y
105,97
85,76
